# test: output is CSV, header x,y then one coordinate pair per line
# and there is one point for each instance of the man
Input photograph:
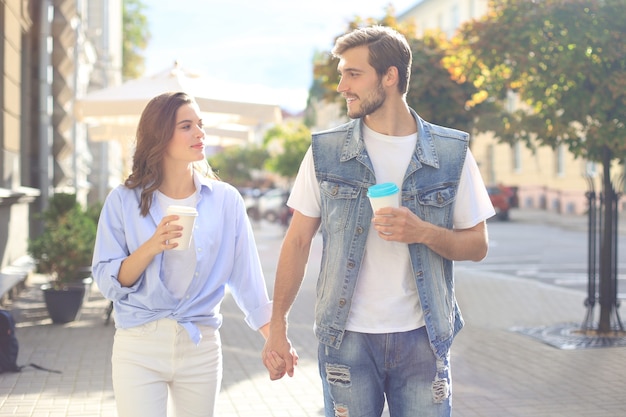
x,y
386,313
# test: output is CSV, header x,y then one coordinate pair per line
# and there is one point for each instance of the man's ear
x,y
391,76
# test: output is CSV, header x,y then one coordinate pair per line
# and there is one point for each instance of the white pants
x,y
157,360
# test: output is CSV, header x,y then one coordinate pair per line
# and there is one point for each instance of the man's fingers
x,y
277,366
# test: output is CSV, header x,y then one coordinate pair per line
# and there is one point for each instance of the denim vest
x,y
344,172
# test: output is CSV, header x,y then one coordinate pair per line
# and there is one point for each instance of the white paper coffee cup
x,y
187,218
382,195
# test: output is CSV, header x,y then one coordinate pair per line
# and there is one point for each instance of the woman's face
x,y
187,142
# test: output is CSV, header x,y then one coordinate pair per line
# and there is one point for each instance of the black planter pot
x,y
63,304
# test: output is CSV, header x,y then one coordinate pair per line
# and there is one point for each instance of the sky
x,y
259,50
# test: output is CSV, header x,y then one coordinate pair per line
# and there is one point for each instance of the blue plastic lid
x,y
382,190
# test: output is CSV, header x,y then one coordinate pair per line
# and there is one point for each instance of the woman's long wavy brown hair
x,y
155,129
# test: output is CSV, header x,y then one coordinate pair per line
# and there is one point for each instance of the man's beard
x,y
368,106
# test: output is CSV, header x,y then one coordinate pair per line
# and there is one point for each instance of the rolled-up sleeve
x,y
111,249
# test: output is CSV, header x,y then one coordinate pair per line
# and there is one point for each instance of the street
x,y
547,253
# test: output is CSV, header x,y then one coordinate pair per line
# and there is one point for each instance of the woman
x,y
167,302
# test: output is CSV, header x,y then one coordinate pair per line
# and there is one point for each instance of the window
x,y
560,160
517,157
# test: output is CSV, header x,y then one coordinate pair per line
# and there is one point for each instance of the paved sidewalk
x,y
496,372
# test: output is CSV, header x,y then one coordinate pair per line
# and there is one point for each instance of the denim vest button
x,y
342,302
351,264
334,190
359,230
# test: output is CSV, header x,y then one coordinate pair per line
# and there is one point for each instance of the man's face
x,y
360,85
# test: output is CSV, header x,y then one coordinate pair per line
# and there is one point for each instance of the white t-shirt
x,y
178,265
385,298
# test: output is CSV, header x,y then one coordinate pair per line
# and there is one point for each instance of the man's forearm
x,y
289,275
458,245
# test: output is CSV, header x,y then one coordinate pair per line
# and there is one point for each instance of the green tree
x,y
136,36
286,145
567,63
236,164
433,93
566,60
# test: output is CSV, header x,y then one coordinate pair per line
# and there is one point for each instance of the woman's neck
x,y
179,185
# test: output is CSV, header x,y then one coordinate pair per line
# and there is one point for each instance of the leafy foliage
x,y
433,93
64,249
136,36
286,145
235,164
566,59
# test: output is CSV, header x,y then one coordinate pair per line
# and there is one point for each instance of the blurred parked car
x,y
501,200
251,199
273,204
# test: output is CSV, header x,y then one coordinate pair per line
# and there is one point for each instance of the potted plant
x,y
63,251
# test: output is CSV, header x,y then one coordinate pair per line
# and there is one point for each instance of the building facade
x,y
47,58
17,132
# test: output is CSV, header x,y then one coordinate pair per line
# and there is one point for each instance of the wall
x,y
15,198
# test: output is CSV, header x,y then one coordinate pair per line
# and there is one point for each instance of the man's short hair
x,y
387,48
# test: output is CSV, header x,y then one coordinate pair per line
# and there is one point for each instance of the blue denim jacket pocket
x,y
338,200
433,199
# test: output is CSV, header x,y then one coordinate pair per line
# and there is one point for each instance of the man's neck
x,y
392,119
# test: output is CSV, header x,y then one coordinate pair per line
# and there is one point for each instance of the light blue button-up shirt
x,y
226,257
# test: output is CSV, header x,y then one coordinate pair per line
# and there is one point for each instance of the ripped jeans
x,y
400,367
